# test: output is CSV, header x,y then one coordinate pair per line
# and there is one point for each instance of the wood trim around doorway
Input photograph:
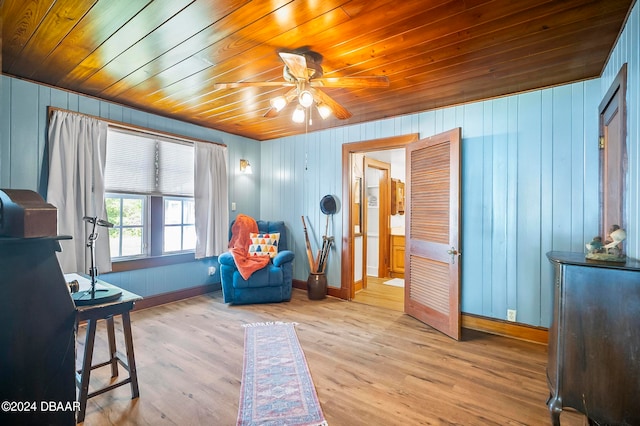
x,y
346,281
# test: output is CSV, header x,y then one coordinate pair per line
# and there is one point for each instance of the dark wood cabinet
x,y
594,340
37,337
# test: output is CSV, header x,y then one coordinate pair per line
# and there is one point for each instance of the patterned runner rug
x,y
276,384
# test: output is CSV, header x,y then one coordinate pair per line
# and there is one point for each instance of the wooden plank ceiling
x,y
164,56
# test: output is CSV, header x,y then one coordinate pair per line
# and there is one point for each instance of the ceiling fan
x,y
303,73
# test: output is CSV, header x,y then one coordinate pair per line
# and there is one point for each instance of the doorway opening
x,y
382,284
432,224
369,257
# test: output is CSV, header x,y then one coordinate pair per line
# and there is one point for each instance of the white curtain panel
x,y
211,199
77,155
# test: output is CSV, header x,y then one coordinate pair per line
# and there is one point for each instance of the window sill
x,y
152,262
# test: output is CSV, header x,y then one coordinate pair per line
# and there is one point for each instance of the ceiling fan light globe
x,y
278,103
324,111
298,115
305,98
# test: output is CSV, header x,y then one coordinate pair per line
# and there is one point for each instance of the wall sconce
x,y
245,167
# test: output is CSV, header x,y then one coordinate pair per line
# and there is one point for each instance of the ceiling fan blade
x,y
288,97
339,111
371,81
297,65
251,84
271,113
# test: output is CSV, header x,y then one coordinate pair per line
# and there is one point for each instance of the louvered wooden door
x,y
432,264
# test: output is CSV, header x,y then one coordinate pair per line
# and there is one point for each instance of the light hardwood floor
x,y
382,295
370,366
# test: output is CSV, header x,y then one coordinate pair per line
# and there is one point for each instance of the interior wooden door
x,y
613,155
432,265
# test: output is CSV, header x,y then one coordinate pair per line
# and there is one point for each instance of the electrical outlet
x,y
511,314
212,270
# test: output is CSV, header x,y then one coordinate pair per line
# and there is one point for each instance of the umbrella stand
x,y
317,281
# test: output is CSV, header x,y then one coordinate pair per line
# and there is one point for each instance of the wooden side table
x,y
107,311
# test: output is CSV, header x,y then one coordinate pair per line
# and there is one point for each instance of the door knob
x,y
453,253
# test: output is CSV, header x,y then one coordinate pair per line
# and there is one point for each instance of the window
x,y
128,215
179,224
149,183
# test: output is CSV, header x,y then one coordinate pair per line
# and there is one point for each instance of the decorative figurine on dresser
x,y
594,339
611,249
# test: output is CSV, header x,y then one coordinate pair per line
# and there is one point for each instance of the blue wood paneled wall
x,y
23,129
530,185
627,50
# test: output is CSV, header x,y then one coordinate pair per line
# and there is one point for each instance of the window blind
x,y
148,165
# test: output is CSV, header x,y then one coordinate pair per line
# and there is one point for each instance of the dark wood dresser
x,y
594,340
37,336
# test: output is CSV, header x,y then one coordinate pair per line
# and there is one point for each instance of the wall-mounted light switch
x,y
233,206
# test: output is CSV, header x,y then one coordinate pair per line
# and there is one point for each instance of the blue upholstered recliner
x,y
269,284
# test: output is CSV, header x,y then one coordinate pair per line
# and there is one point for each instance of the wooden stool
x,y
91,314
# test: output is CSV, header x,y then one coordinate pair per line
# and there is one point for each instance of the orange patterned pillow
x,y
264,244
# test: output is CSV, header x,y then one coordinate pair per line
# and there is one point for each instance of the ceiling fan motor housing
x,y
314,70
